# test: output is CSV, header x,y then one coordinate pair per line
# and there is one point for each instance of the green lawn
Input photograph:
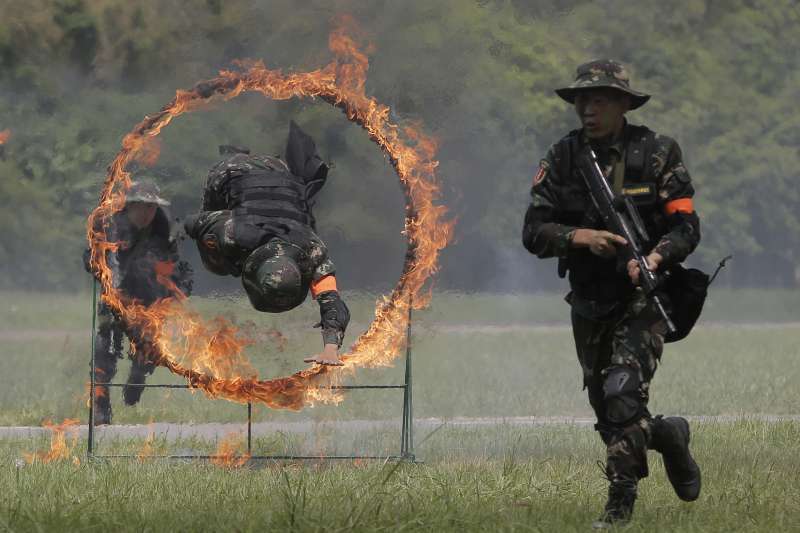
x,y
461,370
523,479
474,479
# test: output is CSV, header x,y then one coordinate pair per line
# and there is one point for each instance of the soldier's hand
x,y
653,261
600,242
329,356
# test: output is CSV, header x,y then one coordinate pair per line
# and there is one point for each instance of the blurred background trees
x,y
76,75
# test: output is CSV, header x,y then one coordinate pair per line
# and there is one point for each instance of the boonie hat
x,y
603,73
146,192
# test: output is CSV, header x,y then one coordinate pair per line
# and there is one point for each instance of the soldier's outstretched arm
x,y
334,318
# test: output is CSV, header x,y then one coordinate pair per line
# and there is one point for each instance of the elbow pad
x,y
334,317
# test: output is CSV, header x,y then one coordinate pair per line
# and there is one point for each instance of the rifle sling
x,y
618,171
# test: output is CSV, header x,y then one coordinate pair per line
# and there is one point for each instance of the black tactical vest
x,y
592,277
271,192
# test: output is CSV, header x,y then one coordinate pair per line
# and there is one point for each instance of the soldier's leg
x,y
670,436
141,367
105,368
637,343
593,346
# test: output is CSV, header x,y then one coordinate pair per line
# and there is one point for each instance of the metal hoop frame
x,y
406,432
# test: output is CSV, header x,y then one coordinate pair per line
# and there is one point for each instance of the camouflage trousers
x,y
619,354
108,349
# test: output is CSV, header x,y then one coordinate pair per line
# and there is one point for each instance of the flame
x,y
60,447
149,153
5,135
164,270
229,454
99,392
210,354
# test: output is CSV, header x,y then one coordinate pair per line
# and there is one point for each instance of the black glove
x,y
334,317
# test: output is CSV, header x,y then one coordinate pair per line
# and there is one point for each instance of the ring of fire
x,y
210,354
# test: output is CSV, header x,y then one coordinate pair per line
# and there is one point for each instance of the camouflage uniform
x,y
257,223
619,334
134,265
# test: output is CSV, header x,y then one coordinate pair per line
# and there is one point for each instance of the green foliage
x,y
76,75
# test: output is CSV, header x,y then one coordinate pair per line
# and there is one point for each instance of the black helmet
x,y
273,277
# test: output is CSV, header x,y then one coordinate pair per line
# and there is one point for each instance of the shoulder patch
x,y
541,173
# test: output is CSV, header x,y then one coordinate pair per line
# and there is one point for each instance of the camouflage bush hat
x,y
145,191
602,73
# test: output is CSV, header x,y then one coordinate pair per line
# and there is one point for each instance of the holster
x,y
686,289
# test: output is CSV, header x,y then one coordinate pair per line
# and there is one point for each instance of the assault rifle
x,y
621,217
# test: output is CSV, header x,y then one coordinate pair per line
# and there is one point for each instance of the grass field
x,y
472,368
474,356
499,479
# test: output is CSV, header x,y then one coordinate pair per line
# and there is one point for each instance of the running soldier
x,y
619,333
146,252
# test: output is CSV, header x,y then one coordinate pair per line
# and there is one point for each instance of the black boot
x,y
131,393
619,508
670,436
105,369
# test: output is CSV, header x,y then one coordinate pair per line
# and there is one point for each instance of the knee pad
x,y
621,396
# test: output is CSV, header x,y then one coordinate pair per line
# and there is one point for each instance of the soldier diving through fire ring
x,y
257,224
147,251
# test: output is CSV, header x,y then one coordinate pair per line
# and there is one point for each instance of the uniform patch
x,y
641,194
540,174
638,190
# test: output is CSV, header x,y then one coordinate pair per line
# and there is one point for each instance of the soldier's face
x,y
602,112
141,214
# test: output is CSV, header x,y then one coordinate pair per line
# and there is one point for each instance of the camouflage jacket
x,y
143,254
656,179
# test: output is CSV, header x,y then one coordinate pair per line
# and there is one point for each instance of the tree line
x,y
76,75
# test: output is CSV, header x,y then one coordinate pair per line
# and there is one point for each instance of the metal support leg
x,y
92,378
249,428
407,431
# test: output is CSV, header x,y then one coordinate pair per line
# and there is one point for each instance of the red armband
x,y
681,205
328,283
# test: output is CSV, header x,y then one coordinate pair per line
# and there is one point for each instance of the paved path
x,y
172,432
57,334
